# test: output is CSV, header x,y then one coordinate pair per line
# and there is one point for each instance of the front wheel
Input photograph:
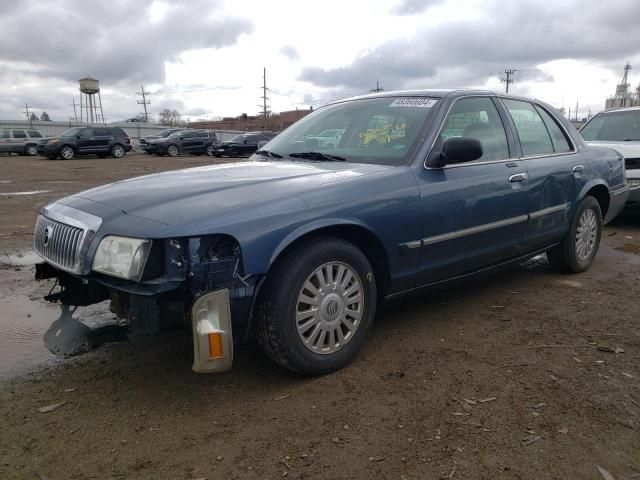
x,y
317,306
210,150
31,150
66,152
172,150
579,246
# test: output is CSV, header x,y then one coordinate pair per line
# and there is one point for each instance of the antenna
x,y
144,101
508,77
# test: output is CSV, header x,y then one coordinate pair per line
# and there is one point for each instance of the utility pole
x,y
143,102
576,110
265,110
377,89
73,104
26,111
508,77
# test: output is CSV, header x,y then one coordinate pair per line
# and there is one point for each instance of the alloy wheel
x,y
586,234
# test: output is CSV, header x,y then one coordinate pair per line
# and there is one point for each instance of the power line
x,y
508,77
144,101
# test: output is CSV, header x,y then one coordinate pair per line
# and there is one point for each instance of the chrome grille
x,y
59,243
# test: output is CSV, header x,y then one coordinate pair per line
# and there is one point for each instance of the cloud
x,y
465,52
290,52
119,41
410,7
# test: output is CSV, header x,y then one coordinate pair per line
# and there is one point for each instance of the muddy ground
x,y
526,374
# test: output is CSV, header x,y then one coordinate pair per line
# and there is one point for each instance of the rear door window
x,y
101,132
558,138
19,134
534,136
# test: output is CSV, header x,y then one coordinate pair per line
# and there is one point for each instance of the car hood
x,y
626,149
180,195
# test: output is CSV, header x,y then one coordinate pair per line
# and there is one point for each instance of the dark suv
x,y
101,141
244,144
144,141
194,142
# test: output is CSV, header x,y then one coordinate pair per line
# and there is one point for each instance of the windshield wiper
x,y
317,156
267,153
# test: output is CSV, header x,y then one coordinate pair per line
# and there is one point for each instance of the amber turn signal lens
x,y
215,346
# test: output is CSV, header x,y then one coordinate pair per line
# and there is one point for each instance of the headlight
x,y
633,182
121,257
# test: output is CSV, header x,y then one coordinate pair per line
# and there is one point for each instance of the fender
x,y
312,227
588,186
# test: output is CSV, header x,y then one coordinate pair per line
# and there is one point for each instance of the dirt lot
x,y
527,374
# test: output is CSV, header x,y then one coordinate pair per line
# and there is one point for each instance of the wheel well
x,y
601,194
362,238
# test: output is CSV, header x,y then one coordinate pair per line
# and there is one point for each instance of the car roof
x,y
618,109
437,93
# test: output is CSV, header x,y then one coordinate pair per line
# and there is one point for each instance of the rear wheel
x,y
579,246
172,150
317,306
117,151
66,152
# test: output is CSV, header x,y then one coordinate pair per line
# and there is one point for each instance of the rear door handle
x,y
518,177
578,168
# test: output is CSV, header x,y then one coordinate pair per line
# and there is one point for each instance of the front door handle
x,y
578,168
518,177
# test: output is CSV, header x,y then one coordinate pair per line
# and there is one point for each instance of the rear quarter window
x,y
34,134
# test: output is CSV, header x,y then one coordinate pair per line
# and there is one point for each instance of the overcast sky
x,y
205,57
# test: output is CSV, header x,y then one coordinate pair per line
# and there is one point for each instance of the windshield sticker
x,y
418,102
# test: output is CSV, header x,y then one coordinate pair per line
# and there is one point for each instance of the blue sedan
x,y
298,246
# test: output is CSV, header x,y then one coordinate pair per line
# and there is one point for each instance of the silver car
x,y
19,140
619,128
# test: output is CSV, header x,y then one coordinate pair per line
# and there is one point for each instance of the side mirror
x,y
456,150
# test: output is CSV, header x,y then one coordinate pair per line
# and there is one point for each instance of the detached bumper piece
x,y
212,336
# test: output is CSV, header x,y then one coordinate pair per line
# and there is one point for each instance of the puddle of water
x,y
20,259
23,323
33,192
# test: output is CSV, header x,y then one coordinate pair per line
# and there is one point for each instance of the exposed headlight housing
x,y
633,182
53,140
122,257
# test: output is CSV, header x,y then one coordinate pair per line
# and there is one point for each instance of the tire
x,y
327,339
31,150
172,150
210,150
117,151
66,152
578,248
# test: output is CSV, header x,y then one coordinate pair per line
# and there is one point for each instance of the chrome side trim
x,y
546,211
619,190
211,313
473,230
485,227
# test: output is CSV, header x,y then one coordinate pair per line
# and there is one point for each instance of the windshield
x,y
618,126
375,130
166,133
238,138
176,134
72,132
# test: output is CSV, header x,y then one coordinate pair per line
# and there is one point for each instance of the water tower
x,y
89,88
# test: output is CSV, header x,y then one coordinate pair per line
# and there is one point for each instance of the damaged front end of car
x,y
194,282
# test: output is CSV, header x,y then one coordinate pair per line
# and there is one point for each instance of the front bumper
x,y
47,149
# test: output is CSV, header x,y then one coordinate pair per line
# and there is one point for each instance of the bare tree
x,y
33,117
45,117
169,117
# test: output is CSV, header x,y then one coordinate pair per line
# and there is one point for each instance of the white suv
x,y
18,140
619,129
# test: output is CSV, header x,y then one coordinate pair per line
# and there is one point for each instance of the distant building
x,y
623,97
252,123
